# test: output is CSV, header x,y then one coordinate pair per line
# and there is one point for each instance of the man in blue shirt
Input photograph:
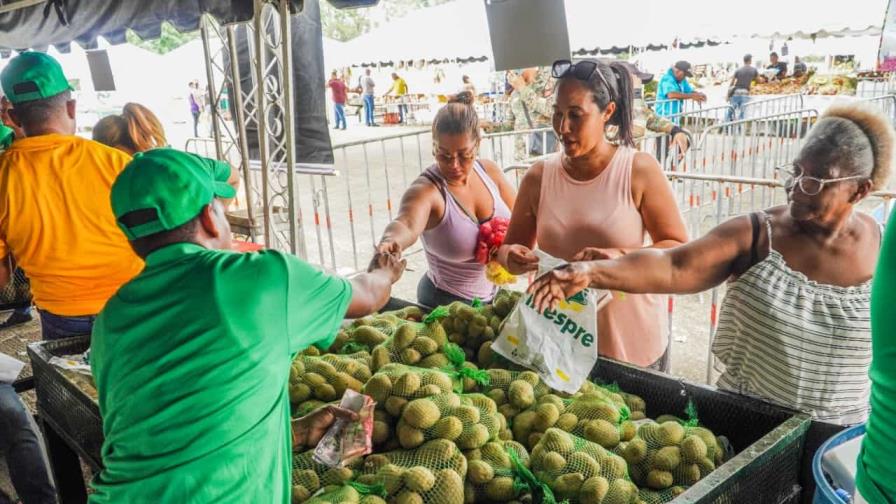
x,y
674,88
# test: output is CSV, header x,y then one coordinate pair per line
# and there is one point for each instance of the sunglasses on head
x,y
583,70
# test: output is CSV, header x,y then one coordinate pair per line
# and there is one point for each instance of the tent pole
x,y
213,95
296,233
238,114
258,65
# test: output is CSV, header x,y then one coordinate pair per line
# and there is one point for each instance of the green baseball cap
x,y
33,76
164,188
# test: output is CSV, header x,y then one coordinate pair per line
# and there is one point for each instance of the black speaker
x,y
352,4
100,70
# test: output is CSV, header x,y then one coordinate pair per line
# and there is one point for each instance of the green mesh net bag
x,y
430,474
418,344
580,471
636,405
393,387
592,416
513,391
350,492
326,378
497,472
672,453
470,420
648,496
309,476
474,327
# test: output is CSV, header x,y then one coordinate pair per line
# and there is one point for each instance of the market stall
x,y
755,449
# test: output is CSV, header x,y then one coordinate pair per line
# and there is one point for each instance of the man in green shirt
x,y
876,473
191,358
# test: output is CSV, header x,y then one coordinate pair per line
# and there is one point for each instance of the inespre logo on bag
x,y
568,326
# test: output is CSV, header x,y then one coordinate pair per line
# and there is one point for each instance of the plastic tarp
x,y
29,28
88,19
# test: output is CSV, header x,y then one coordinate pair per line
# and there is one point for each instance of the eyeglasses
x,y
810,186
583,70
465,157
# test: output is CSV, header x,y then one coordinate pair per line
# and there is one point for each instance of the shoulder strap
x,y
754,253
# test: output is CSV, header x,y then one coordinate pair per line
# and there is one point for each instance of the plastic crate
x,y
60,403
767,440
17,292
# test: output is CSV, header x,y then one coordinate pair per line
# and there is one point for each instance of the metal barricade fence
x,y
757,106
886,104
875,87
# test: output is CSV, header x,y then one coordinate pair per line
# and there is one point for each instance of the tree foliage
x,y
170,39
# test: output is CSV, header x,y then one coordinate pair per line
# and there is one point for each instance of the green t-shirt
x,y
876,476
191,360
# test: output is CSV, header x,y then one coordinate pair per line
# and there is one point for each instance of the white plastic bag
x,y
560,345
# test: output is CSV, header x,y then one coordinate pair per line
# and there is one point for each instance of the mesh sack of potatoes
x,y
513,391
665,455
368,332
392,387
469,420
309,476
648,496
433,473
416,344
327,377
636,405
495,472
580,471
350,492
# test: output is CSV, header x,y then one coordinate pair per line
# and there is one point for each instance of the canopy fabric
x,y
28,28
458,30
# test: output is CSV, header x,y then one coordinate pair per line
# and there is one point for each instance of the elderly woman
x,y
795,323
136,129
445,206
598,199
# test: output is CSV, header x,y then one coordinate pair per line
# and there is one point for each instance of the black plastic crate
x,y
60,403
768,440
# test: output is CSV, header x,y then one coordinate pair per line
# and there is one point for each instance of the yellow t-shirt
x,y
56,220
400,87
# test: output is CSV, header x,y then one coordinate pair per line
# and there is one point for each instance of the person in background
x,y
777,64
366,86
598,199
645,120
739,88
196,101
19,439
875,471
399,90
338,93
799,68
55,217
468,86
673,89
530,108
795,325
445,206
136,129
22,314
202,415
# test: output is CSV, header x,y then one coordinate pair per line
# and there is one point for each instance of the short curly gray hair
x,y
855,137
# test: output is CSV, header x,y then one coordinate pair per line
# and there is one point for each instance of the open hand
x,y
597,254
307,430
559,285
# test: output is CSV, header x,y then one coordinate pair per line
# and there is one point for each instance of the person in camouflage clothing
x,y
531,107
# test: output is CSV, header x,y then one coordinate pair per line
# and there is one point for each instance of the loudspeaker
x,y
353,4
100,70
527,33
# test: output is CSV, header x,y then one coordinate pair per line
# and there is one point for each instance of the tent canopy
x,y
29,28
459,29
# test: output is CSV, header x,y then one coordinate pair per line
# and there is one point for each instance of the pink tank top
x,y
451,245
600,212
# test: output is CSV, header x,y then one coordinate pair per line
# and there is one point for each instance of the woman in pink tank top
x,y
599,200
445,206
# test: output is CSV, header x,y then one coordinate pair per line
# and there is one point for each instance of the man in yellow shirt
x,y
55,215
399,89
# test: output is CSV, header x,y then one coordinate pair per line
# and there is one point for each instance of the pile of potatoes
x,y
469,420
309,476
491,472
433,473
326,378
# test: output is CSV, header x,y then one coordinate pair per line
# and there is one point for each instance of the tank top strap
x,y
619,174
433,176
